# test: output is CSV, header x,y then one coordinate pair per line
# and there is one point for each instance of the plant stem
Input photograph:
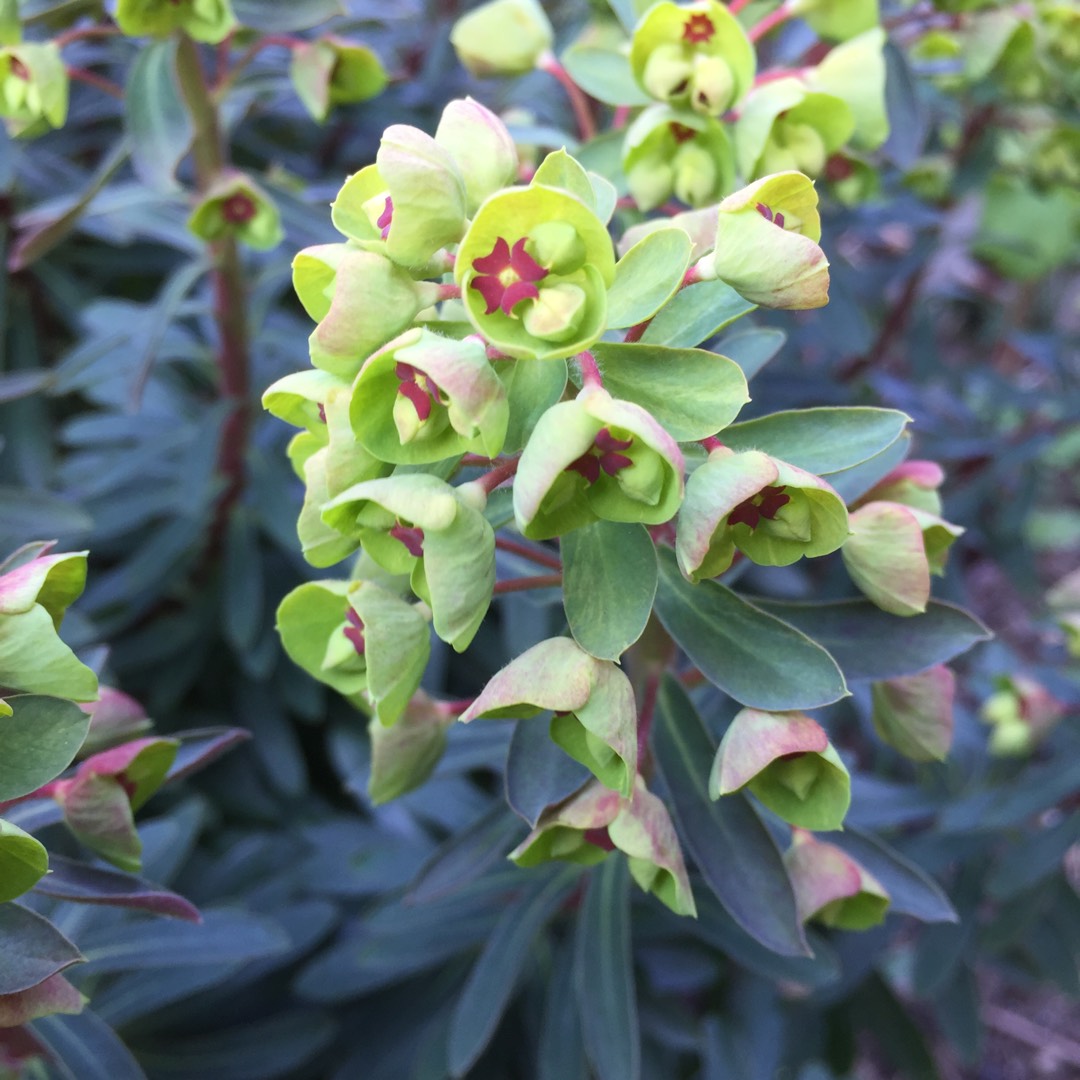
x,y
647,711
636,332
770,22
78,74
737,5
230,299
578,101
711,443
541,558
285,41
84,33
523,584
499,475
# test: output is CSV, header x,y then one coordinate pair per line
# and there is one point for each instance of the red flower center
x,y
355,630
386,217
505,277
19,69
765,504
682,133
604,454
419,388
838,168
238,209
777,218
411,537
698,29
599,837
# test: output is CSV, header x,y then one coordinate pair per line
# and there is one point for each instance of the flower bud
x,y
575,830
912,483
694,56
831,887
766,244
595,719
405,755
236,206
502,37
209,21
482,148
773,512
596,458
333,71
557,312
787,761
1021,713
33,88
914,713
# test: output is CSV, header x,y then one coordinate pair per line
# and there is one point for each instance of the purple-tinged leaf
x,y
86,884
54,995
201,747
734,851
31,949
539,774
87,1048
604,975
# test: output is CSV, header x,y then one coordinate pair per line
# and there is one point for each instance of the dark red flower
x,y
682,133
419,388
411,537
698,29
506,277
777,218
765,504
238,209
355,631
602,455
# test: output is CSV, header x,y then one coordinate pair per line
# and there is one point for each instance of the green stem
x,y
230,298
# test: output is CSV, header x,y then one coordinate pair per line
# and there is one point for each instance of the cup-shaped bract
x,y
596,458
914,713
854,72
837,20
34,594
892,552
363,641
360,299
423,398
783,126
644,832
114,718
767,244
502,37
912,483
236,206
831,887
574,830
481,146
419,525
405,755
334,71
672,152
595,719
100,800
787,761
209,21
534,270
33,88
773,512
1021,713
693,55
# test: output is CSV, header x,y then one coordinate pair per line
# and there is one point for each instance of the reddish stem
x,y
449,291
635,333
578,100
737,5
285,41
524,584
78,74
620,118
473,461
712,443
590,372
770,22
84,33
536,555
648,710
499,475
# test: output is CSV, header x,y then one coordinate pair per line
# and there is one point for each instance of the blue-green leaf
x,y
158,123
695,314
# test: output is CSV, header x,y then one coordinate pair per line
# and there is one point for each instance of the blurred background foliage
x,y
342,940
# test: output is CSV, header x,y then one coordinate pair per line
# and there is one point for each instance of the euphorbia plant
x,y
539,395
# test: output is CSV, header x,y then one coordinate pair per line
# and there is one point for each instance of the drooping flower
x,y
236,206
333,71
33,88
831,887
502,37
209,21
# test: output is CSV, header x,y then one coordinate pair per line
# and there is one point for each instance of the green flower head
x,y
854,72
481,146
502,37
669,152
766,245
595,719
423,398
1021,713
405,755
236,206
534,270
417,524
773,512
33,88
695,56
333,71
596,458
914,713
787,761
785,127
365,642
831,887
210,21
892,552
